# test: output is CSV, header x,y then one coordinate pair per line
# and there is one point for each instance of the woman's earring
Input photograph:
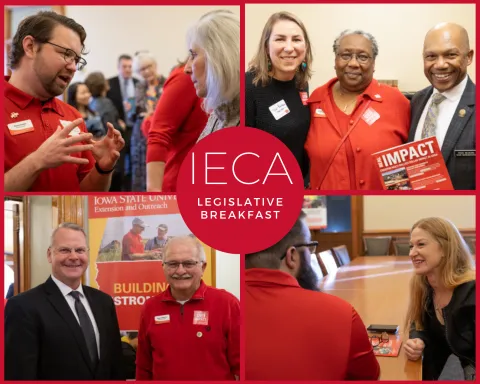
x,y
304,66
269,64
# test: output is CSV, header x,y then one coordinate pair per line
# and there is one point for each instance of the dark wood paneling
x,y
328,240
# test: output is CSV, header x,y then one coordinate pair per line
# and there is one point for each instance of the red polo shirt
x,y
40,120
381,120
131,243
198,340
296,334
178,121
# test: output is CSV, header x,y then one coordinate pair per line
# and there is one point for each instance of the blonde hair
x,y
456,266
218,34
259,63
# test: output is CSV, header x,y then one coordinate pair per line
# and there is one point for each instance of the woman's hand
x,y
414,348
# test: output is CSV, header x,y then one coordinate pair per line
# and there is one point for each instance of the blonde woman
x,y
441,315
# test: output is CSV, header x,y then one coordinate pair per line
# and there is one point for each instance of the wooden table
x,y
378,288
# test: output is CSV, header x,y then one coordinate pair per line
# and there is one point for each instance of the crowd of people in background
x,y
136,128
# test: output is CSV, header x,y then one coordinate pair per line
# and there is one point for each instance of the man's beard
x,y
307,278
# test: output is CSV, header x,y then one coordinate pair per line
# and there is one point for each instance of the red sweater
x,y
199,340
296,334
178,121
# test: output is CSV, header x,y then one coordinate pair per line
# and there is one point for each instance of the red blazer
x,y
389,130
176,124
295,334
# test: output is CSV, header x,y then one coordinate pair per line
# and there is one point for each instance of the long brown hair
x,y
456,267
259,63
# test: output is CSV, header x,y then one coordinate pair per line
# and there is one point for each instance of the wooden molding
x,y
67,209
406,232
213,266
27,258
403,234
357,225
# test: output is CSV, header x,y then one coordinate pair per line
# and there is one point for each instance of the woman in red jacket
x,y
353,116
176,125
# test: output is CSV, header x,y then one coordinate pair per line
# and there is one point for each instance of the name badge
x,y
162,319
75,131
319,113
465,153
304,97
279,109
200,317
370,116
20,127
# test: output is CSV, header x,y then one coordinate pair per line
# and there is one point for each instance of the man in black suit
x,y
122,94
446,109
63,330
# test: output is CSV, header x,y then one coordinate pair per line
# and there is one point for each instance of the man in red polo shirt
x,y
293,331
47,147
190,331
132,244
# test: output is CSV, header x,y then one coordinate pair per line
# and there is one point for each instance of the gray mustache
x,y
183,277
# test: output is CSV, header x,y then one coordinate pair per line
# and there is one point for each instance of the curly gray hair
x,y
347,32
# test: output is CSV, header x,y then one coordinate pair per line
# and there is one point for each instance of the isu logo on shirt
x,y
200,317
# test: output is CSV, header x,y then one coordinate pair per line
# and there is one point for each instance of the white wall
x,y
228,272
114,30
40,231
399,29
401,212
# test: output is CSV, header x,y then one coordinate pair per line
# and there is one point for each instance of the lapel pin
x,y
13,115
199,334
462,113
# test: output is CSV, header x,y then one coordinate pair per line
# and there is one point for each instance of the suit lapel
x,y
458,123
60,304
417,112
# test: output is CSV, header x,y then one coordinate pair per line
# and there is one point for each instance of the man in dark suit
x,y
63,330
122,94
446,109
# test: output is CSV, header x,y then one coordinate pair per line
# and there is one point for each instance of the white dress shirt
x,y
446,110
65,289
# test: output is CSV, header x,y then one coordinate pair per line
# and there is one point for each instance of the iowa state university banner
x,y
113,229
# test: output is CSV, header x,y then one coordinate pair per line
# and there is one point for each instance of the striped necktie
x,y
430,124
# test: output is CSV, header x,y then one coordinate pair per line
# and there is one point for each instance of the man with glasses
x,y
61,329
190,331
446,109
47,147
318,336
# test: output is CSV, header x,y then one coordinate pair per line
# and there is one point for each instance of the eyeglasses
x,y
173,265
312,247
376,340
362,58
67,251
70,56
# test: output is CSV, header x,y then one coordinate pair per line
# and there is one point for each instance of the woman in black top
x,y
441,315
276,85
78,96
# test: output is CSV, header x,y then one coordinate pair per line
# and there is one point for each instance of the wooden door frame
x,y
357,225
22,266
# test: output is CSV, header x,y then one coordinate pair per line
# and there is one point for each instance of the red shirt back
x,y
296,334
